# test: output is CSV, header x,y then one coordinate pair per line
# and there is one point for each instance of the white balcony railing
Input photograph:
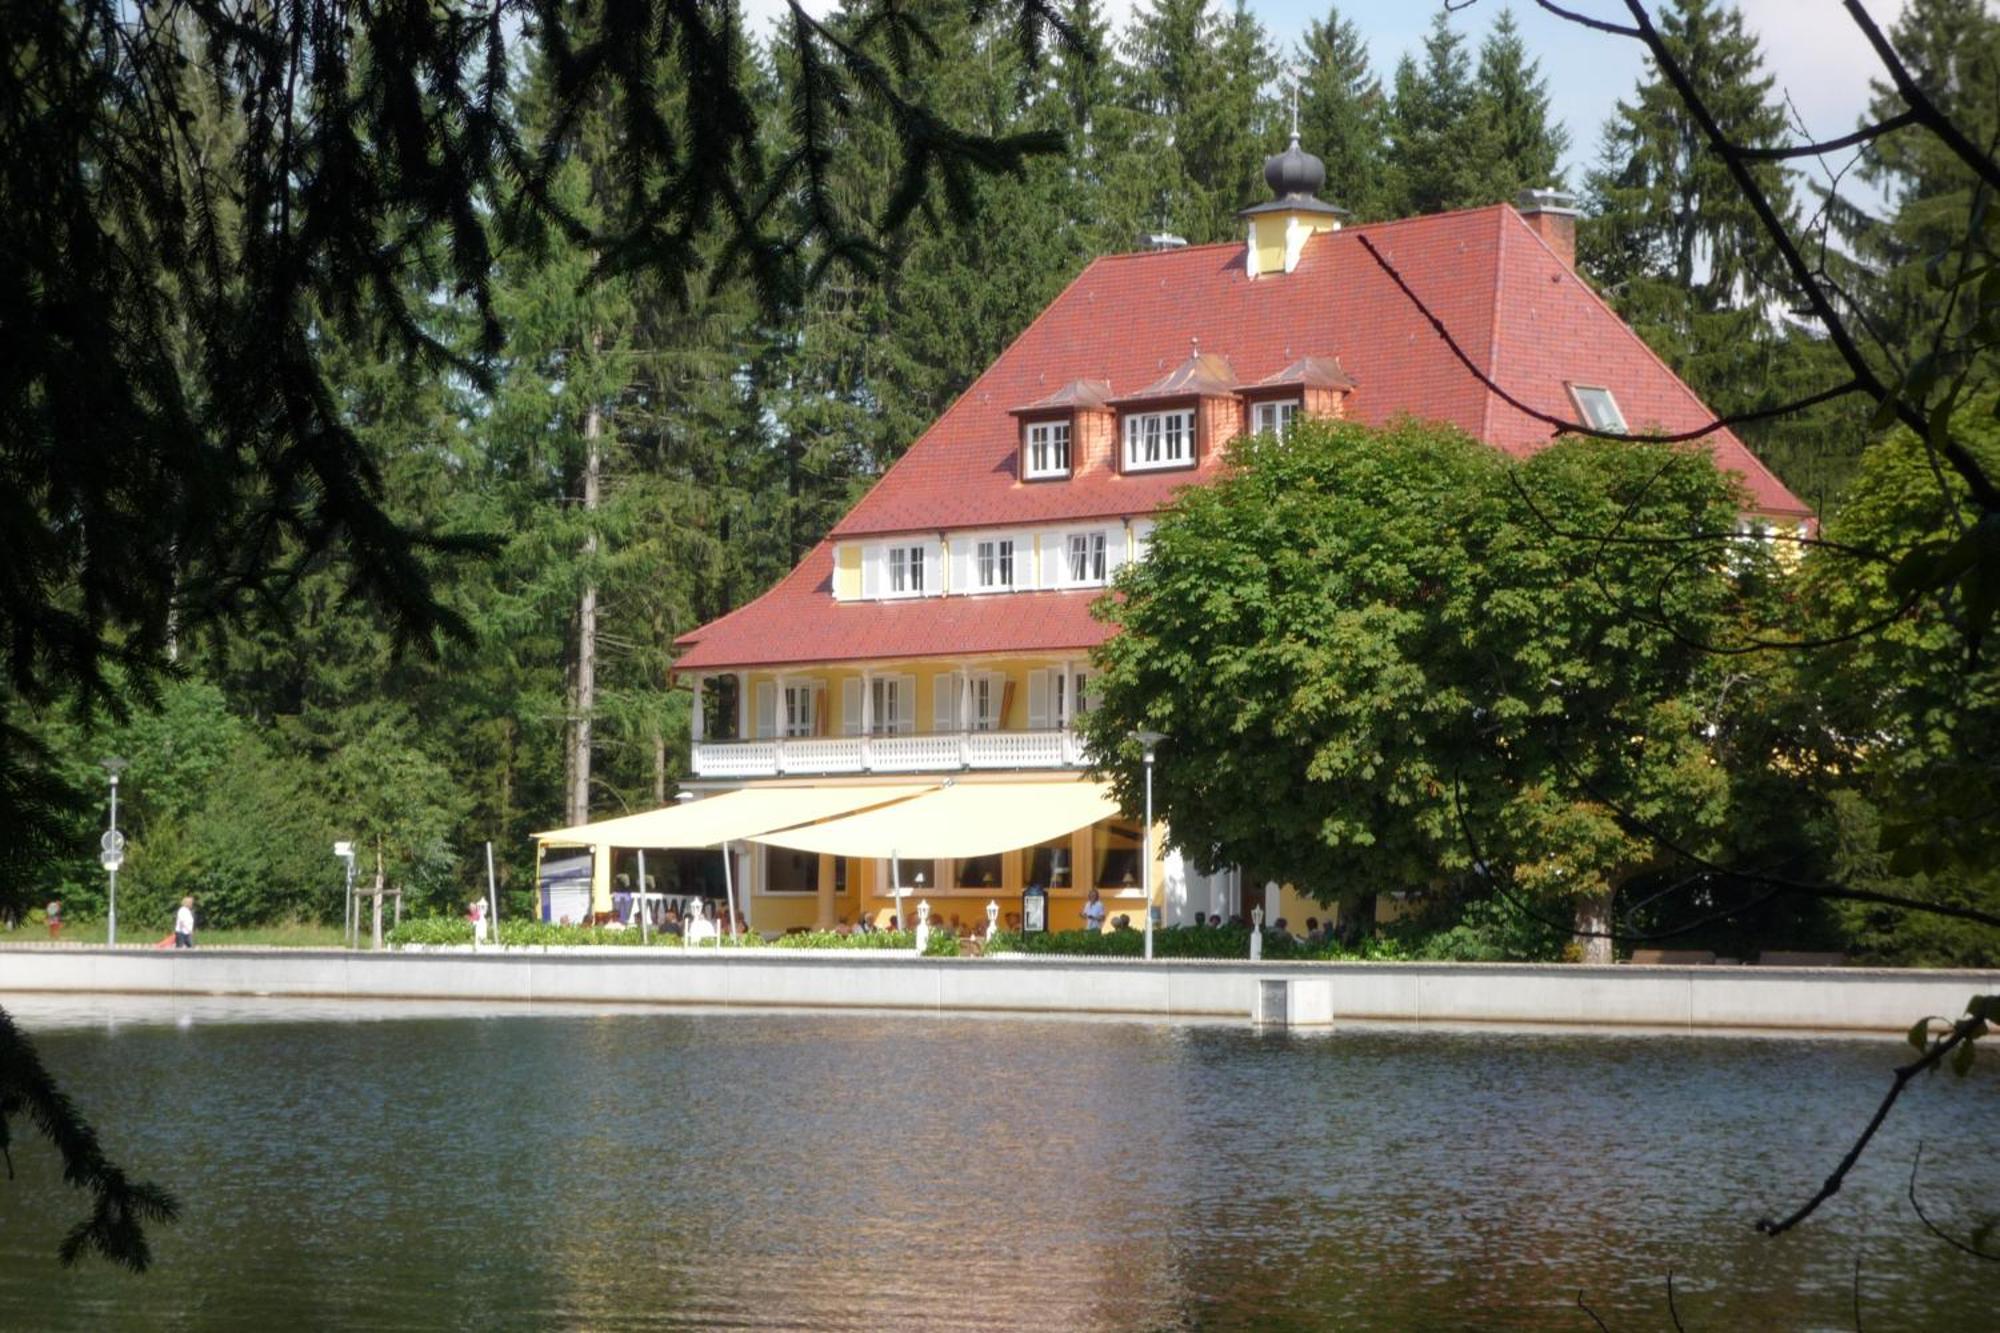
x,y
940,752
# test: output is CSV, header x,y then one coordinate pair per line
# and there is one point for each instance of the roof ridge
x,y
1488,397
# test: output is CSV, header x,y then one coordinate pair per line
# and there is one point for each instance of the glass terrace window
x,y
1048,449
906,569
1274,418
890,703
1159,440
1086,557
995,561
1599,408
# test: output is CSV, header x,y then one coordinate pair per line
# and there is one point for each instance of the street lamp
x,y
1151,740
112,850
349,922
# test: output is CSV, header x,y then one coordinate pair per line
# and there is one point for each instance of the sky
x,y
1811,46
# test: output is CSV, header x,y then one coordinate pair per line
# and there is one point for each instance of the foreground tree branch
x,y
121,1208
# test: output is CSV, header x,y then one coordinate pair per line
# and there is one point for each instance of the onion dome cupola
x,y
1278,229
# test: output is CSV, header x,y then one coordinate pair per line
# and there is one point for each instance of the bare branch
x,y
1564,426
1592,1313
1961,1032
1865,134
1921,106
1584,20
1932,1227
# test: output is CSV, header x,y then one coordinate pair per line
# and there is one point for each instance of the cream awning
x,y
967,819
730,817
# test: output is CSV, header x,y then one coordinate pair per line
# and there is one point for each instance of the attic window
x,y
1046,449
1274,417
1599,408
1159,440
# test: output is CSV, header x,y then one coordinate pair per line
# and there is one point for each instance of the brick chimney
x,y
1553,215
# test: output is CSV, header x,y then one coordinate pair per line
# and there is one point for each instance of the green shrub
x,y
1228,942
444,930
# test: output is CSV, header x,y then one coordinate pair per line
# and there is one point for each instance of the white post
x,y
729,894
1147,851
923,926
992,920
111,928
696,723
744,707
644,938
896,887
492,894
1256,933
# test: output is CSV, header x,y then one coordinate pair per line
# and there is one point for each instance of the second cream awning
x,y
730,817
967,819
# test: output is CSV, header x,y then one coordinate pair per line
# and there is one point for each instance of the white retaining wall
x,y
1668,997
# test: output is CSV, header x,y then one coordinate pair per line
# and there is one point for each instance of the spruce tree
x,y
1202,85
1952,49
1442,146
1514,101
1341,114
1685,260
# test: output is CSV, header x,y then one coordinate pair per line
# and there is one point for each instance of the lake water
x,y
399,1166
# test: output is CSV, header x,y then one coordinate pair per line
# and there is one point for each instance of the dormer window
x,y
1274,416
1045,450
1159,440
1599,408
906,571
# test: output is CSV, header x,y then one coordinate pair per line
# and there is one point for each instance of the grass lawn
x,y
300,935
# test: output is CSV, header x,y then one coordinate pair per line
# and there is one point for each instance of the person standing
x,y
184,925
1093,913
54,916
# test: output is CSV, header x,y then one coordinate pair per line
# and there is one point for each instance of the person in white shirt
x,y
184,925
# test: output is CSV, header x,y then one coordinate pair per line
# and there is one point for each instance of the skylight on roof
x,y
1599,408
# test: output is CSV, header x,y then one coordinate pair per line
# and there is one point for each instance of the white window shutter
x,y
1116,551
767,708
1055,558
944,702
906,704
961,564
871,571
933,567
1086,689
1038,701
850,707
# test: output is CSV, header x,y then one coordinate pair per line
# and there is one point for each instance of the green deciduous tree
x,y
1378,668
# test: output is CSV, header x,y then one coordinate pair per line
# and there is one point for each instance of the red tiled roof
x,y
1530,324
798,621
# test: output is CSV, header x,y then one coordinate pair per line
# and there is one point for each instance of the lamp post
x,y
344,853
1151,740
112,854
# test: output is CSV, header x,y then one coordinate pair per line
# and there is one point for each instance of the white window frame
x,y
1599,409
918,562
1155,441
1094,550
1275,416
1045,450
996,565
796,721
888,692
